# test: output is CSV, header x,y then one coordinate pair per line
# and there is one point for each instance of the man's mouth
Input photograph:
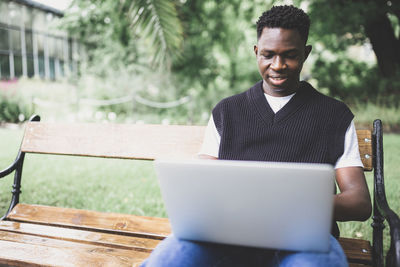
x,y
277,80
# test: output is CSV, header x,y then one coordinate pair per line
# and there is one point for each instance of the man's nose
x,y
278,63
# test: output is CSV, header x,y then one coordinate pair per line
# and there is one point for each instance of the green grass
x,y
88,183
127,186
366,112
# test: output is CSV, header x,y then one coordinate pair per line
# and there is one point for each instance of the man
x,y
280,119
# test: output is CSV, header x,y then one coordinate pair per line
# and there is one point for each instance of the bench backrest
x,y
131,141
126,141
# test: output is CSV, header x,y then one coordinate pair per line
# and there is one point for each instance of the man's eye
x,y
268,56
291,55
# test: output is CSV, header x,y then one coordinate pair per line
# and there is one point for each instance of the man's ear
x,y
255,49
307,51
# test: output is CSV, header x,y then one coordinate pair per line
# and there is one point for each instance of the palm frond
x,y
158,20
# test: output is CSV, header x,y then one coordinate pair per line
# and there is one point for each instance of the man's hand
x,y
353,203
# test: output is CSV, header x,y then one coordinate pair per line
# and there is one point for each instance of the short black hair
x,y
287,17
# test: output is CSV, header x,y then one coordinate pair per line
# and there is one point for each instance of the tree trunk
x,y
384,43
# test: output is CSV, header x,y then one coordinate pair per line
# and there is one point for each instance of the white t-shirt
x,y
350,157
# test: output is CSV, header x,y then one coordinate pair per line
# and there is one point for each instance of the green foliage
x,y
104,30
12,107
216,58
355,82
159,21
339,25
207,50
129,33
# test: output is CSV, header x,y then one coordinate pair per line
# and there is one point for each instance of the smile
x,y
277,79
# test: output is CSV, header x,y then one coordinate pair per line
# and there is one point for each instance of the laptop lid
x,y
272,205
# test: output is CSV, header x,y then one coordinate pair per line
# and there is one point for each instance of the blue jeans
x,y
177,252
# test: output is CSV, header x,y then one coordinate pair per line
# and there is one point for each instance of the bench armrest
x,y
19,157
12,167
382,210
17,167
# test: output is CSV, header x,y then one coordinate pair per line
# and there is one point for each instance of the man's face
x,y
280,56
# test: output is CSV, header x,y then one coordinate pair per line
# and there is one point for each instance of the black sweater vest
x,y
310,128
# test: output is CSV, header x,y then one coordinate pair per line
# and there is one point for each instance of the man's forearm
x,y
353,203
350,208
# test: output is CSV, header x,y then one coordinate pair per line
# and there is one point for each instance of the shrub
x,y
13,109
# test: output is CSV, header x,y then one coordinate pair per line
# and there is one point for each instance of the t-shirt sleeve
x,y
351,154
211,140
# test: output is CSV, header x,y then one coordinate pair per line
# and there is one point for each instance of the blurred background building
x,y
31,44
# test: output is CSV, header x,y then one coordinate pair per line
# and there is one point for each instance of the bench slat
x,y
357,249
365,147
132,141
81,236
153,227
127,141
28,250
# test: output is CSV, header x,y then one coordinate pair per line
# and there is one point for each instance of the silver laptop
x,y
285,206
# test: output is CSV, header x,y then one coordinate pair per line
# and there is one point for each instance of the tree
x,y
355,21
340,24
214,59
204,48
101,24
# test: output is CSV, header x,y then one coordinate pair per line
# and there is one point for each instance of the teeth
x,y
278,78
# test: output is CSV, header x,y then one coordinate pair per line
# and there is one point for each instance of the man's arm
x,y
353,203
210,146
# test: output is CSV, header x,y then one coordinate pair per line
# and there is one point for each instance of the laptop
x,y
286,206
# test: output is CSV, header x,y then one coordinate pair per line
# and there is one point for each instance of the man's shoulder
x,y
325,100
233,99
236,99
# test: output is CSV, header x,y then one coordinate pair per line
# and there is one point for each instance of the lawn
x,y
130,186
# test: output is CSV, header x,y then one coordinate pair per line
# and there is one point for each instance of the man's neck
x,y
277,92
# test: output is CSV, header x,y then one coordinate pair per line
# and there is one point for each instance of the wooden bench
x,y
32,235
